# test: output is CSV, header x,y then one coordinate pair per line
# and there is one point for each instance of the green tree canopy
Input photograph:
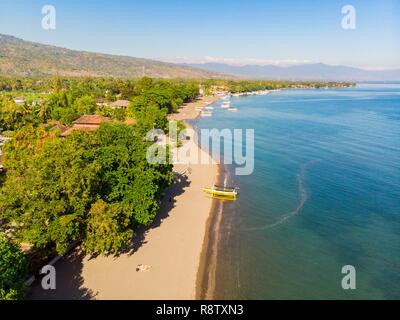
x,y
13,270
52,184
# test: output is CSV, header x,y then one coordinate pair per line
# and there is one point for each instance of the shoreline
x,y
206,274
191,111
206,271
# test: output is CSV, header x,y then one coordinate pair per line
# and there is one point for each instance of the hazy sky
x,y
284,31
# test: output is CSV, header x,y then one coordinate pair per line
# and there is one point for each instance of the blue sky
x,y
285,31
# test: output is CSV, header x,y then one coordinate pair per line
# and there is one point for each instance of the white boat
x,y
209,108
206,113
226,105
232,109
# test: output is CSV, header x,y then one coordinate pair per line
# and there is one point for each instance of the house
x,y
90,122
86,123
101,102
3,140
219,90
20,100
58,125
130,122
36,103
120,104
202,90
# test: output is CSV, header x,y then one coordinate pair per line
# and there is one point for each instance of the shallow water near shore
x,y
324,194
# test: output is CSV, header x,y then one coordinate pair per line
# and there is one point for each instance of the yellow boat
x,y
222,192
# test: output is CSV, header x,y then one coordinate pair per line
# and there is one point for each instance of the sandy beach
x,y
171,247
188,111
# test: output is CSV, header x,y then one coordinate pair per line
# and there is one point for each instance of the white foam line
x,y
303,199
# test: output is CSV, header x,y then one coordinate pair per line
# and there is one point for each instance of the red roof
x,y
86,123
92,120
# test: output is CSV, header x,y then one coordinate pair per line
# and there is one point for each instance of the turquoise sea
x,y
325,193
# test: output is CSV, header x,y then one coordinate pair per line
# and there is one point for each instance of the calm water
x,y
325,193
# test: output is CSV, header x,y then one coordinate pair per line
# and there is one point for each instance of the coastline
x,y
190,111
207,264
206,274
172,246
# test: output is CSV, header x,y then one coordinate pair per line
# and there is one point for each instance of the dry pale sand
x,y
188,111
171,247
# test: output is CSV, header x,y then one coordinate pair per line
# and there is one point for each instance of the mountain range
x,y
24,58
306,72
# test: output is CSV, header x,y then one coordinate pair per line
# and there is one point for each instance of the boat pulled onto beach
x,y
206,113
224,193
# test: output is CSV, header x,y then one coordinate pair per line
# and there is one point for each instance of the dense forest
x,y
95,187
65,100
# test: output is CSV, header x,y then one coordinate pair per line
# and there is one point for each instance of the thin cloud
x,y
234,61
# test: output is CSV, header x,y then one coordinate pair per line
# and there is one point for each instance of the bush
x,y
14,269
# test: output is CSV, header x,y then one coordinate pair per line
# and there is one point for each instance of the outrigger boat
x,y
206,113
222,192
226,105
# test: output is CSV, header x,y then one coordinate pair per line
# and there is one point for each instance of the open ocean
x,y
325,193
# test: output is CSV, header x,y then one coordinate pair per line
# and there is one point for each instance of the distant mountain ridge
x,y
305,72
24,58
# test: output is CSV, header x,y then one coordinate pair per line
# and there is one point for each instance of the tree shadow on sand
x,y
69,281
69,268
167,204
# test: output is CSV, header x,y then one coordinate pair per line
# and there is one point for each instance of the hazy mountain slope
x,y
24,58
318,71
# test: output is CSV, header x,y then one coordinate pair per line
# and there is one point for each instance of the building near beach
x,y
3,140
86,123
219,90
20,100
120,104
